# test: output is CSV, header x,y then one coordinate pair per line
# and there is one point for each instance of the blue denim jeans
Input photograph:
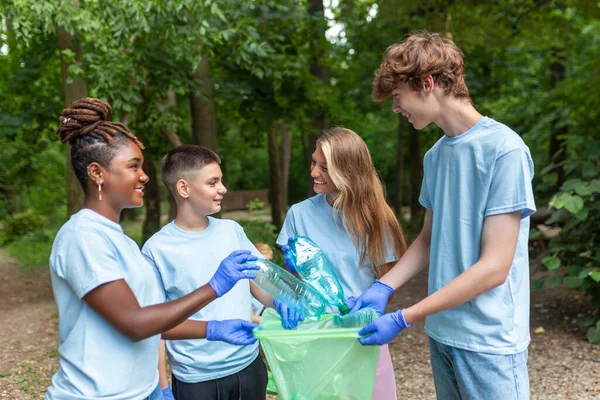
x,y
466,375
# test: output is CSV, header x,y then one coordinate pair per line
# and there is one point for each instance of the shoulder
x,y
156,239
501,139
307,205
225,224
86,227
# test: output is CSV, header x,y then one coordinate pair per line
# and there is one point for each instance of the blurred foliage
x,y
263,232
259,52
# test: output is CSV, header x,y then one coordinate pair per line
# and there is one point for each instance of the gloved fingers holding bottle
x,y
351,302
376,297
231,270
232,331
287,258
383,329
289,317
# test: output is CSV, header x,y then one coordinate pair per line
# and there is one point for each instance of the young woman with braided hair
x,y
110,316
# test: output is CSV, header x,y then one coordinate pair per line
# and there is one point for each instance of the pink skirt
x,y
385,380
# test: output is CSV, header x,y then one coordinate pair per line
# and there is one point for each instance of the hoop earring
x,y
99,191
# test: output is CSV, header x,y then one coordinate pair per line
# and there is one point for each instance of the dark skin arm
x,y
116,303
187,330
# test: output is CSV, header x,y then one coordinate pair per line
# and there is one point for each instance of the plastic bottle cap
x,y
344,309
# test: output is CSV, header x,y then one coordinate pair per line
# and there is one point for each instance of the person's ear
x,y
183,188
428,84
95,173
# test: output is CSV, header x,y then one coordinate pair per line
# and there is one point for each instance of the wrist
x,y
211,330
401,318
215,287
384,287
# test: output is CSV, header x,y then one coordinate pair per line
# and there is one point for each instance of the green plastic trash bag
x,y
271,385
320,360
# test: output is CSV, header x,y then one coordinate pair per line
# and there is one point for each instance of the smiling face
x,y
124,179
206,191
322,183
411,104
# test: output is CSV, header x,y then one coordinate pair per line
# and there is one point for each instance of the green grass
x,y
32,250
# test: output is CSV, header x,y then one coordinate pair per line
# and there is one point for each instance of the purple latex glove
x,y
168,393
383,329
289,316
231,270
376,297
287,259
232,331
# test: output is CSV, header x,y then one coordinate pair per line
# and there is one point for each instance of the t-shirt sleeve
x,y
511,188
424,196
288,229
89,262
149,256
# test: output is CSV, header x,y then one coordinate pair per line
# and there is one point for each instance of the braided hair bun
x,y
87,125
91,116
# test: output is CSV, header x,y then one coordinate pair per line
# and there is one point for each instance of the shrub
x,y
574,254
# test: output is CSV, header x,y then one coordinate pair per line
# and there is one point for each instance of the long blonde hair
x,y
366,216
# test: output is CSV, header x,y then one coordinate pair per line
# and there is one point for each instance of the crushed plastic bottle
x,y
316,270
288,289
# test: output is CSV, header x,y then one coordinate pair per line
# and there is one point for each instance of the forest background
x,y
258,79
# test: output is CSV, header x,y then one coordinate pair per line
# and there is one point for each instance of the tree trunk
x,y
152,202
321,72
169,103
174,140
400,165
204,118
286,157
558,145
151,193
275,190
11,41
74,90
416,211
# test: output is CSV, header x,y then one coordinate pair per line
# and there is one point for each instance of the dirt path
x,y
562,365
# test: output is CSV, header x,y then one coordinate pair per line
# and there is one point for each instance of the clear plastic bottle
x,y
316,270
288,289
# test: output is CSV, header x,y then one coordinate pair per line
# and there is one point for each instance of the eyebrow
x,y
135,159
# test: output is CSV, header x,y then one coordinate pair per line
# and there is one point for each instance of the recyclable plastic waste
x,y
288,289
316,270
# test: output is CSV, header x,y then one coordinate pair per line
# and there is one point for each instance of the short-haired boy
x,y
478,196
185,253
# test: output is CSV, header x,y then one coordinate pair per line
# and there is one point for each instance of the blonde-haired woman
x,y
351,222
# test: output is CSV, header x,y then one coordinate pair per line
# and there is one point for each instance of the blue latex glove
x,y
375,297
231,270
289,316
168,393
350,302
383,329
287,259
232,331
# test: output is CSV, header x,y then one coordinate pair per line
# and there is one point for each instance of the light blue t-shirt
x,y
484,171
96,360
317,220
185,261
